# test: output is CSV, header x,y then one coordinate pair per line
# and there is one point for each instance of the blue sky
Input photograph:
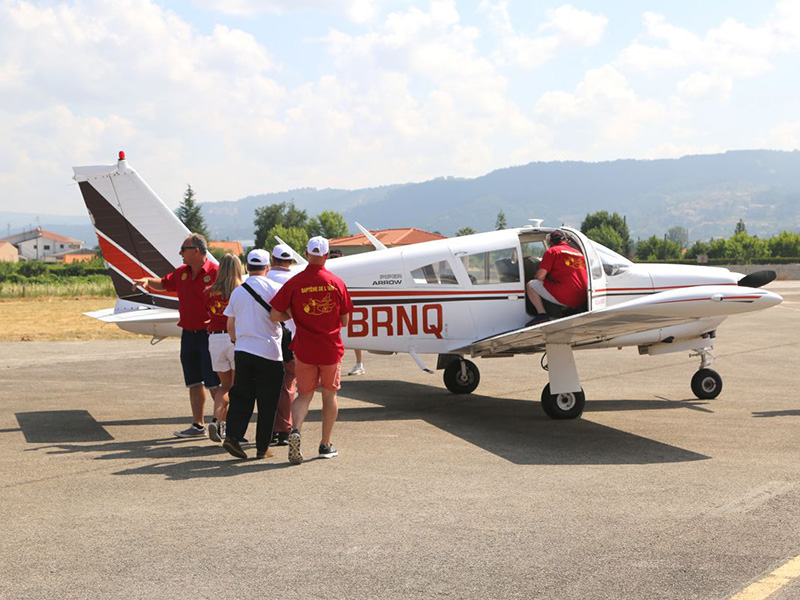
x,y
250,96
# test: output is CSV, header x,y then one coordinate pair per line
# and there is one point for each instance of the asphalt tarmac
x,y
651,494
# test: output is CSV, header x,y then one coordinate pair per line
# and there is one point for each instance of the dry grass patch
x,y
56,318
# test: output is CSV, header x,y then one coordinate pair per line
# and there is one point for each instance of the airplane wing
x,y
672,307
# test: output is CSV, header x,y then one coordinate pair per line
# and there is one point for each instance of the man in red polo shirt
x,y
190,281
560,279
320,305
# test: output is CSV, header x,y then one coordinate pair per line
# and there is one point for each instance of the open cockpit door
x,y
596,276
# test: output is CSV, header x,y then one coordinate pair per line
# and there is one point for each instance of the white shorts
x,y
221,349
536,285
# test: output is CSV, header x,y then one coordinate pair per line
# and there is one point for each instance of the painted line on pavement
x,y
768,585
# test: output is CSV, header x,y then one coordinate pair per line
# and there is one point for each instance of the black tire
x,y
706,384
458,383
563,406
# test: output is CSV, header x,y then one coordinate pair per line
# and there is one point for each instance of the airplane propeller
x,y
757,279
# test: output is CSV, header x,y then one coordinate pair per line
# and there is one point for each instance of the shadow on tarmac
x,y
166,451
517,430
777,413
514,429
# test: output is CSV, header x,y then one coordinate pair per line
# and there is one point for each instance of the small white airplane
x,y
451,298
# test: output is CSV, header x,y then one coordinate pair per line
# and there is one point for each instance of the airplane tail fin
x,y
138,234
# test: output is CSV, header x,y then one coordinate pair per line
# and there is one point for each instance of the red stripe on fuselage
x,y
405,293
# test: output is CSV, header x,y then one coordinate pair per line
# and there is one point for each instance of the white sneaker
x,y
357,370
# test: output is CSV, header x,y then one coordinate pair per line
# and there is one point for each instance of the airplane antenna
x,y
375,242
300,260
536,222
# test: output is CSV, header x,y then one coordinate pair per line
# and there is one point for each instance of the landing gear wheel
x,y
706,384
460,382
563,406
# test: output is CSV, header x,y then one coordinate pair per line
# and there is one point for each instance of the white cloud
x,y
701,85
565,27
359,11
785,136
603,109
732,49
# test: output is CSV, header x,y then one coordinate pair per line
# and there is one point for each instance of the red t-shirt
x,y
191,296
566,274
318,299
215,305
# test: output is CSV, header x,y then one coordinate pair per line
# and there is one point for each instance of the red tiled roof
x,y
390,237
234,247
36,233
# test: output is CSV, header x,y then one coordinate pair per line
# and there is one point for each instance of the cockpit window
x,y
435,274
495,266
613,263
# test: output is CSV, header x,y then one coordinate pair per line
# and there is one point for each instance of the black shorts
x,y
196,360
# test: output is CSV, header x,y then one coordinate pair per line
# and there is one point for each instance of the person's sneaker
x,y
357,370
281,439
193,431
540,318
222,429
214,432
233,448
295,456
266,454
327,451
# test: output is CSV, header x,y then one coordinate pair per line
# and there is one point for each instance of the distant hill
x,y
707,194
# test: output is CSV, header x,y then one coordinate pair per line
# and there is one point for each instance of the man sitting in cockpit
x,y
561,278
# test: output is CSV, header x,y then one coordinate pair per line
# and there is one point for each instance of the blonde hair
x,y
229,275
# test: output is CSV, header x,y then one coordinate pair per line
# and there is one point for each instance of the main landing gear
x,y
462,376
567,405
706,383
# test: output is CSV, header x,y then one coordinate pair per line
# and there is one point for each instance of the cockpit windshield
x,y
613,263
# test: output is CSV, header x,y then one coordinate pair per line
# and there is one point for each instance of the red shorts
x,y
311,377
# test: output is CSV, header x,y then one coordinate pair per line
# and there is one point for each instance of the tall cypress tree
x,y
190,214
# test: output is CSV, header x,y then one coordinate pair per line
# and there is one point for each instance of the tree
x,y
190,214
465,231
329,224
740,227
743,248
606,235
655,248
679,235
500,223
268,217
785,244
616,222
296,237
697,249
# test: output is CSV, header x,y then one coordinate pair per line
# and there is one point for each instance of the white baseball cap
x,y
258,258
318,246
282,252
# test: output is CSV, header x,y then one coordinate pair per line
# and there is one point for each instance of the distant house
x,y
8,252
84,255
355,244
39,244
234,248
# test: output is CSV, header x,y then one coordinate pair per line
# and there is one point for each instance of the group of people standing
x,y
257,341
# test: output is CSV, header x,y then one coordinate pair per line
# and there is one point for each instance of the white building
x,y
38,244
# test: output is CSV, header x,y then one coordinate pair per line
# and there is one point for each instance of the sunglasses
x,y
185,248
